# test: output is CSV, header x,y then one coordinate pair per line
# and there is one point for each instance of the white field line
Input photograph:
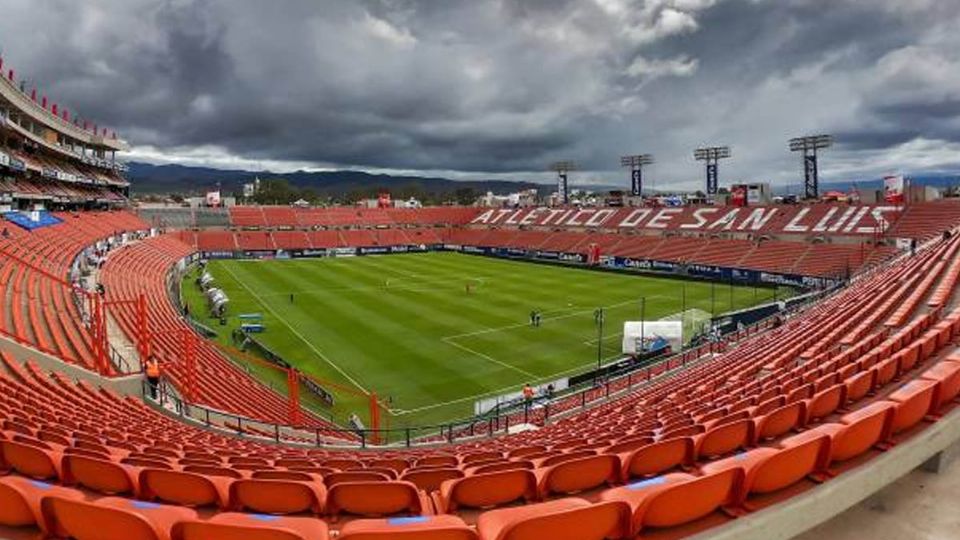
x,y
386,286
401,412
489,358
296,333
545,319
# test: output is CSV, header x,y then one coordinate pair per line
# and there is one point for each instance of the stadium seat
x,y
376,499
824,403
111,518
20,500
771,469
30,460
947,374
184,488
725,438
578,475
99,475
914,400
277,496
486,490
442,527
429,479
676,498
236,526
859,430
780,421
497,466
658,458
354,476
562,519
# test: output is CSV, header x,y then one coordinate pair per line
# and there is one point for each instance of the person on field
x,y
152,370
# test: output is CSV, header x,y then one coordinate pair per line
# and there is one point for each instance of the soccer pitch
x,y
431,333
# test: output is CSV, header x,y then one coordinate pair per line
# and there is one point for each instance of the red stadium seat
x,y
30,460
947,374
658,458
578,475
429,479
277,496
824,403
184,488
235,526
780,421
914,401
111,518
677,498
725,438
375,499
560,519
859,430
99,475
772,469
354,476
20,500
486,490
442,527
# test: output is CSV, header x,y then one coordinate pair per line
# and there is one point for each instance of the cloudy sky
x,y
500,88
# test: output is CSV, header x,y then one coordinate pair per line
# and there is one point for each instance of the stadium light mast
x,y
712,156
809,146
636,163
562,168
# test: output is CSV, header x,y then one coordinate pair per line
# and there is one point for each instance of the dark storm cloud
x,y
503,86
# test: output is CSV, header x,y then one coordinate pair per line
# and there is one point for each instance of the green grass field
x,y
405,326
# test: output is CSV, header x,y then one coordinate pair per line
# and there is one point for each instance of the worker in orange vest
x,y
528,394
153,375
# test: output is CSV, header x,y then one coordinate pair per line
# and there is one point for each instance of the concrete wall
x,y
123,385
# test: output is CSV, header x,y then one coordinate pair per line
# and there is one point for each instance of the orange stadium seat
x,y
578,475
236,526
429,479
277,496
111,518
947,374
560,519
858,431
914,400
376,499
184,488
30,460
20,500
442,527
486,490
676,498
658,458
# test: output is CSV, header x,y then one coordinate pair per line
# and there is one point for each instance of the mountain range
x,y
146,178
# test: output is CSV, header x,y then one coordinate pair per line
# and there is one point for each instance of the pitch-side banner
x,y
832,219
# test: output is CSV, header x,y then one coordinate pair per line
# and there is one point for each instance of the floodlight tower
x,y
636,163
809,146
712,156
562,168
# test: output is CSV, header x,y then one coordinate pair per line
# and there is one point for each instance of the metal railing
x,y
538,412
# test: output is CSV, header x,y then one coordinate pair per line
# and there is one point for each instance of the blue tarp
x,y
22,219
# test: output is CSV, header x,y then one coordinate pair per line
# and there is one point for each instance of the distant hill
x,y
146,178
934,180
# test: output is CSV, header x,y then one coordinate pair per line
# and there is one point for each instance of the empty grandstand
x,y
572,372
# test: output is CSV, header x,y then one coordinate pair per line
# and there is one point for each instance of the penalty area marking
x,y
488,357
402,412
296,333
